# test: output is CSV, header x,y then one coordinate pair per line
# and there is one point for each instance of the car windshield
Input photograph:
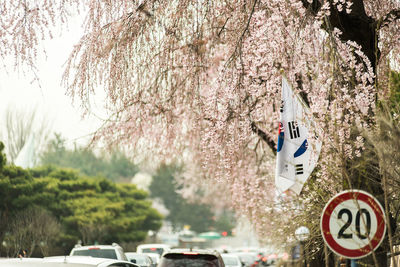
x,y
97,253
188,260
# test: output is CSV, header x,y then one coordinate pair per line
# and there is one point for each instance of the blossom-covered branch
x,y
271,143
199,81
392,16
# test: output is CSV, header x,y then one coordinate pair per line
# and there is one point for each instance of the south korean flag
x,y
297,154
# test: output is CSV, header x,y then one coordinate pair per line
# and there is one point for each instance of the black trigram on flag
x,y
293,129
299,169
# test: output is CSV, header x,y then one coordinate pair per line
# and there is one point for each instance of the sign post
x,y
302,233
353,224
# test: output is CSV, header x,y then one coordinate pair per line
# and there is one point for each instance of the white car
x,y
155,257
65,261
231,260
153,248
113,251
140,259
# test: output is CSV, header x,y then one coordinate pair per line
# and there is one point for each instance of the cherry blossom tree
x,y
200,81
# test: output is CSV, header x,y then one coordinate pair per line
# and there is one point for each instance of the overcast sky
x,y
50,100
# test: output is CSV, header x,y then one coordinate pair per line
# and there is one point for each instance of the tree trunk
x,y
357,26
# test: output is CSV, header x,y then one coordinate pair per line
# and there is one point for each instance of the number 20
x,y
342,230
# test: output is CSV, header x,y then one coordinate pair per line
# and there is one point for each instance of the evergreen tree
x,y
91,209
114,166
199,216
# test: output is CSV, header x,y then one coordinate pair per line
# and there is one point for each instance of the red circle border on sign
x,y
375,240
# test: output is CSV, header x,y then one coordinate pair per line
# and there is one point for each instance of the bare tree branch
x,y
313,7
263,137
18,126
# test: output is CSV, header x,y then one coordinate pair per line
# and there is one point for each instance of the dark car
x,y
192,258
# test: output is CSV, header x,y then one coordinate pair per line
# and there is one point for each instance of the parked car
x,y
231,260
153,248
155,257
140,259
65,261
249,259
189,257
113,251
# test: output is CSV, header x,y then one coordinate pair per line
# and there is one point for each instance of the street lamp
x,y
302,234
152,236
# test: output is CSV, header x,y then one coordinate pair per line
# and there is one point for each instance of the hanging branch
x,y
263,137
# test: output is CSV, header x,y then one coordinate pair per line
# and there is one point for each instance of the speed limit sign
x,y
353,224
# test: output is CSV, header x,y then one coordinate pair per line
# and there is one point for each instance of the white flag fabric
x,y
297,153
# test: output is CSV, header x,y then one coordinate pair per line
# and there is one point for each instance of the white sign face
x,y
302,233
353,224
350,227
